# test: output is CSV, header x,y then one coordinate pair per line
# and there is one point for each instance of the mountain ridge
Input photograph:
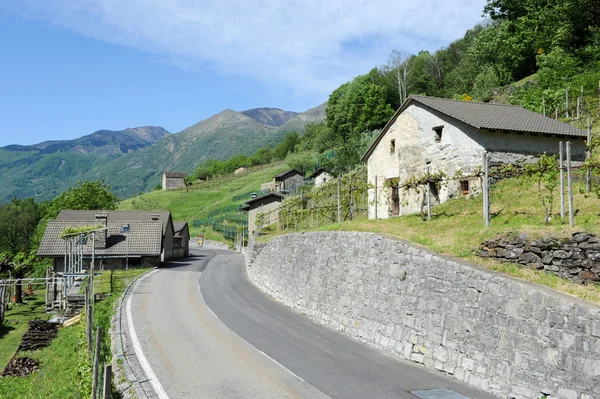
x,y
132,160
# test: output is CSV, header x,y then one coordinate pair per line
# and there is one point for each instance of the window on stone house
x,y
437,131
464,187
392,146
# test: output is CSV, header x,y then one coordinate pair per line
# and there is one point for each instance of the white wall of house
x,y
460,147
322,178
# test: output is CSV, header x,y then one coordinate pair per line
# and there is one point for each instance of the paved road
x,y
251,346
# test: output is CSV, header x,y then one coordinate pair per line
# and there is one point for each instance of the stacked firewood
x,y
39,335
20,367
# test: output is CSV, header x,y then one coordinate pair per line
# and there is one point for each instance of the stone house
x,y
136,238
321,176
173,180
240,171
450,136
181,240
288,181
266,205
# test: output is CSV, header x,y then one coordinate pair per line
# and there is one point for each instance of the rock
x,y
589,246
547,258
561,254
577,254
536,266
551,268
593,255
589,276
593,240
580,237
567,262
530,257
484,253
522,239
512,252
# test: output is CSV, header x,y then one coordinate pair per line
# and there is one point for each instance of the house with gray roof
x,y
136,238
435,134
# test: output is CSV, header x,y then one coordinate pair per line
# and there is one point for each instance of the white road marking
x,y
263,353
137,348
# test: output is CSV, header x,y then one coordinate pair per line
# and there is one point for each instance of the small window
x,y
464,187
437,131
392,146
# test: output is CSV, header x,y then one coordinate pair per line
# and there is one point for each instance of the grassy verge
x,y
457,229
65,368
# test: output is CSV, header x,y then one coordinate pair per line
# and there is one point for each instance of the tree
x,y
317,137
290,140
18,221
400,66
262,157
94,195
301,161
19,265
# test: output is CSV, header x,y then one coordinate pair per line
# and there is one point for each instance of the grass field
x,y
65,368
197,200
15,324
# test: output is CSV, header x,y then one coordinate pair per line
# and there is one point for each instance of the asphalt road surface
x,y
200,329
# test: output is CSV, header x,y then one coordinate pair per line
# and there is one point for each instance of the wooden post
x,y
375,197
428,196
88,335
351,205
107,389
95,370
570,186
486,193
561,165
339,203
567,101
588,154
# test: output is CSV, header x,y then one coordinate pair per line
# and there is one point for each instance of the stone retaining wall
x,y
577,258
511,338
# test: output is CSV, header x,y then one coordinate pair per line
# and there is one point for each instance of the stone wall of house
x,y
577,258
511,338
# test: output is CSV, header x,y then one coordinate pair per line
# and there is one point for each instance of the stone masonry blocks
x,y
513,339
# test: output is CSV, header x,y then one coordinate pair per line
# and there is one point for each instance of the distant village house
x,y
266,208
320,177
288,181
173,180
450,136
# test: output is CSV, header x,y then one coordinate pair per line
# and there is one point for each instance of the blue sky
x,y
71,67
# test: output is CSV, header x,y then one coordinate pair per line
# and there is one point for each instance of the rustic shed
x,y
288,181
181,240
173,180
320,177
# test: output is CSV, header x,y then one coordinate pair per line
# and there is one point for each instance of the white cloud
x,y
307,46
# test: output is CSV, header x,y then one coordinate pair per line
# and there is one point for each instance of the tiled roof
x,y
253,200
495,116
120,216
144,238
178,175
488,116
179,226
286,173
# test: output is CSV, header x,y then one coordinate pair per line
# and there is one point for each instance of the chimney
x,y
100,236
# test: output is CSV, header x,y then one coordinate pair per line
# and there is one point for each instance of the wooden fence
x,y
4,299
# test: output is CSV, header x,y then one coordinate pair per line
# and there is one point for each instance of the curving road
x,y
200,329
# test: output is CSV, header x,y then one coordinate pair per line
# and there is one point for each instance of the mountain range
x,y
133,160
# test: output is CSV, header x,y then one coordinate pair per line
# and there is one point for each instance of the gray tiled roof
x,y
276,196
495,116
145,238
179,175
121,216
286,173
487,116
179,226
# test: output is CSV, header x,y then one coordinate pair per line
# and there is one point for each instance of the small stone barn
x,y
173,180
321,176
181,240
450,136
147,242
268,205
288,181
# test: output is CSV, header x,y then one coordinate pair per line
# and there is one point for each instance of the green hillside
x,y
196,201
